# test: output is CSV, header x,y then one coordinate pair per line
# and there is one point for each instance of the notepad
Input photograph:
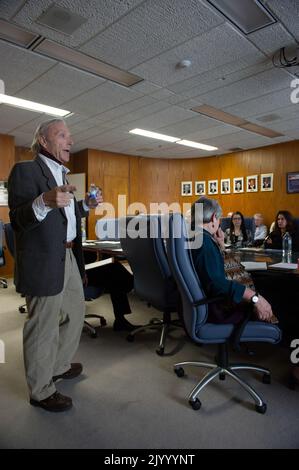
x,y
97,264
284,266
254,265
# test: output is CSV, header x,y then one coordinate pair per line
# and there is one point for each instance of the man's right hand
x,y
60,196
263,309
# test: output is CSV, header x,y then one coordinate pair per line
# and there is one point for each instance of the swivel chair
x,y
195,312
3,281
153,281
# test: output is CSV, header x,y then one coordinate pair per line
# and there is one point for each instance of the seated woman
x,y
117,281
284,222
237,235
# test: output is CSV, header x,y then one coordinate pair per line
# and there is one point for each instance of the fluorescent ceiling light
x,y
32,106
13,33
86,63
218,114
154,135
196,145
247,15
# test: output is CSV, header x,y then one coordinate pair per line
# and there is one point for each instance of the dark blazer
x,y
40,246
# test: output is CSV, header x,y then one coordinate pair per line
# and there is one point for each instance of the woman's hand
x,y
219,237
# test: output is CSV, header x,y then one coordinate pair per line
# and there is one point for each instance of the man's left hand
x,y
93,202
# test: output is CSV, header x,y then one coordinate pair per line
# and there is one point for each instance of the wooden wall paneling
x,y
23,153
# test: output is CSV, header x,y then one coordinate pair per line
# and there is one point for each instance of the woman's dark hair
x,y
290,227
243,228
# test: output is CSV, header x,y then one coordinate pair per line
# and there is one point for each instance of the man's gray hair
x,y
209,207
42,131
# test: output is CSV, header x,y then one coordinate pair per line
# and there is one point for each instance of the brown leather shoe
x,y
55,402
74,371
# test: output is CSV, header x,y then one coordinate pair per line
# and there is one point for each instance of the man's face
x,y
258,220
58,141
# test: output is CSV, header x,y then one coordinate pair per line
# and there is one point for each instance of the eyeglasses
x,y
237,218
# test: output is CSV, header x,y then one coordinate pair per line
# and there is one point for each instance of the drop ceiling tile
x,y
247,89
139,113
99,14
126,108
9,7
150,29
102,98
24,67
213,46
188,126
60,84
212,132
261,105
271,39
288,12
11,117
166,117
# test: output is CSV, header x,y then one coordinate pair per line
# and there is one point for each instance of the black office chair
x,y
3,281
195,312
153,281
10,243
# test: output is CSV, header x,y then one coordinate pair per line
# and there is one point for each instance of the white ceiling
x,y
229,71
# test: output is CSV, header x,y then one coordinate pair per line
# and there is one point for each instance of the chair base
x,y
222,370
3,283
91,329
156,324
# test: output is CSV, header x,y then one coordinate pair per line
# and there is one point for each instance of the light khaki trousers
x,y
52,331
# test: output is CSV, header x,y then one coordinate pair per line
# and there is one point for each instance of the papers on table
x,y
97,264
254,266
100,242
284,266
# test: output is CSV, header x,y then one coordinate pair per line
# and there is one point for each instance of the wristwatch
x,y
254,299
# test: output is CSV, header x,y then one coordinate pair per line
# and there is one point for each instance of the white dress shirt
x,y
260,232
41,210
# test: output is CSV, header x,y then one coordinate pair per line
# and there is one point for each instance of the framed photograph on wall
x,y
186,188
239,184
3,193
251,184
293,182
200,188
213,187
225,186
267,182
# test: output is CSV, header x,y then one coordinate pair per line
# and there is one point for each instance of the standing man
x,y
49,266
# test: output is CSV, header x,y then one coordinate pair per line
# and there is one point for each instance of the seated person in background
x,y
237,235
260,230
117,281
284,222
209,263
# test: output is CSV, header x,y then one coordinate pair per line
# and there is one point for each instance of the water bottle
x,y
287,248
93,190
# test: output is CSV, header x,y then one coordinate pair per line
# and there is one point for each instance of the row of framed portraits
x,y
202,188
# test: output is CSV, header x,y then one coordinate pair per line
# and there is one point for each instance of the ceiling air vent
x,y
60,19
236,149
268,118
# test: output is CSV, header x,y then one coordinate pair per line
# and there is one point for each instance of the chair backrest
x,y
189,286
10,238
249,224
296,223
107,229
143,246
2,259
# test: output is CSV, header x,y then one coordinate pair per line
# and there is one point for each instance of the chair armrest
x,y
207,301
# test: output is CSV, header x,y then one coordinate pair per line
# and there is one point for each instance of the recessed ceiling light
x,y
196,145
247,15
32,106
154,135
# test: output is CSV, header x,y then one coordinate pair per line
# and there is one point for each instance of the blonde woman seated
x,y
237,235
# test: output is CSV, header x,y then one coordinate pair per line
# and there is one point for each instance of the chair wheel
x,y
103,321
261,408
179,372
130,338
22,309
5,286
266,379
195,404
222,376
160,351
